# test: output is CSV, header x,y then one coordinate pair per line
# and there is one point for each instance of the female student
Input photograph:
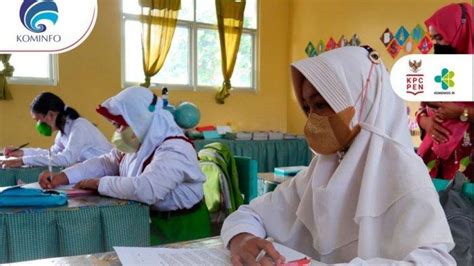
x,y
366,197
153,163
77,140
447,128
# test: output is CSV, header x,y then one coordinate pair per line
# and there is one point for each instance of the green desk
x,y
268,153
9,177
89,224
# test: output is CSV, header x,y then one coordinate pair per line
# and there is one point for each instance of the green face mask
x,y
126,141
44,129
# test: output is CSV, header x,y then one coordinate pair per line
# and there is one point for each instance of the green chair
x,y
247,169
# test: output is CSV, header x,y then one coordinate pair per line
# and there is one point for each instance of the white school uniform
x,y
378,205
172,180
80,141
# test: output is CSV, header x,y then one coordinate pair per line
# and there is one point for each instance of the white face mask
x,y
126,141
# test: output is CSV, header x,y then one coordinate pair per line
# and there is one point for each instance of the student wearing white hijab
x,y
153,163
77,139
366,197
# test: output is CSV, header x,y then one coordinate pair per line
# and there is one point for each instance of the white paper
x,y
185,256
37,186
168,256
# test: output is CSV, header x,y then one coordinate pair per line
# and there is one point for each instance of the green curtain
x,y
158,19
230,21
6,72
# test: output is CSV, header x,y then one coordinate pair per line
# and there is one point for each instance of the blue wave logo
x,y
33,13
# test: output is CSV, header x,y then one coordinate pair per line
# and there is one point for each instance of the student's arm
x,y
167,170
105,165
77,141
55,148
273,214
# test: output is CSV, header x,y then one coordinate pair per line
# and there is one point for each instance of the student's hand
x,y
447,111
91,183
435,129
57,179
245,247
10,152
12,163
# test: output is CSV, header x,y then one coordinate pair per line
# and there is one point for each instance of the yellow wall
x,y
313,20
91,73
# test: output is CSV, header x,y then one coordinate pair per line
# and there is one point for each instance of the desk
x,y
268,153
111,259
88,224
267,182
10,176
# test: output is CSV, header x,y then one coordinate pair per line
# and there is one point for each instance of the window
x,y
34,69
194,59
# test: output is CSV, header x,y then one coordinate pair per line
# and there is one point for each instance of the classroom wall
x,y
313,20
91,73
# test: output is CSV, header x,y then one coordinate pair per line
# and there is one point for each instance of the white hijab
x,y
150,127
379,168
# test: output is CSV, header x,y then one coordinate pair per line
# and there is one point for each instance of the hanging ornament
x,y
386,37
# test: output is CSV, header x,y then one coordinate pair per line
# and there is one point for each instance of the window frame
x,y
193,27
52,80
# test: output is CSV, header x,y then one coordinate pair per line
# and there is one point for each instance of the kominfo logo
x,y
33,14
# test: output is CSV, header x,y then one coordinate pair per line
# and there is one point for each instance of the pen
x,y
262,252
50,167
20,147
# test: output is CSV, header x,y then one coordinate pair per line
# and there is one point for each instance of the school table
x,y
10,176
87,224
268,153
111,259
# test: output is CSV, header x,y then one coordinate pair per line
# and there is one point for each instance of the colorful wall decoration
x,y
311,50
402,40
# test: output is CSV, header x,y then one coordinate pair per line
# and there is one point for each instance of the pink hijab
x,y
448,22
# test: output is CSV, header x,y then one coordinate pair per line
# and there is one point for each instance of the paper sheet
x,y
68,189
186,256
37,186
167,256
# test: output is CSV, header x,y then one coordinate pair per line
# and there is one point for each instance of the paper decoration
x,y
342,42
409,45
331,44
355,41
417,33
321,47
425,45
386,37
311,50
394,48
402,35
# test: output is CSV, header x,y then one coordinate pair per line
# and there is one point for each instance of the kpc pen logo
x,y
414,80
33,15
446,79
